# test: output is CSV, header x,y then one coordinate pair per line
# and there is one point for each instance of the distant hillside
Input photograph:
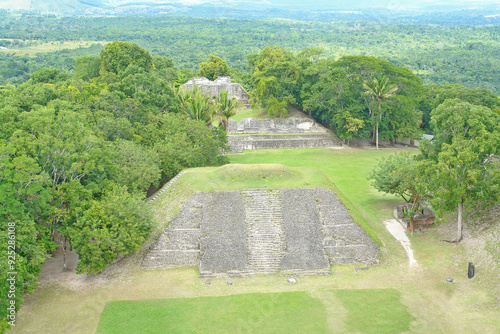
x,y
480,12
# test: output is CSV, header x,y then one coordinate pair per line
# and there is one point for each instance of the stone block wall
x,y
274,126
223,235
254,142
304,240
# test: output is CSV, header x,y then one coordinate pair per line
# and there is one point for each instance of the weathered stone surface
x,y
343,240
295,231
169,258
223,242
277,133
304,249
265,230
274,125
254,142
179,246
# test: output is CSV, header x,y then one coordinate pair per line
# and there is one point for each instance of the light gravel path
x,y
398,231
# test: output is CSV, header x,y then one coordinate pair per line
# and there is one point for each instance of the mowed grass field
x,y
367,311
387,298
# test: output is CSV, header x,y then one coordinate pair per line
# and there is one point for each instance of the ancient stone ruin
x,y
241,233
423,218
277,133
213,88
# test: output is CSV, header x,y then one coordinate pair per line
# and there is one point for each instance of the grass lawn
x,y
367,311
348,169
374,311
249,113
291,312
51,47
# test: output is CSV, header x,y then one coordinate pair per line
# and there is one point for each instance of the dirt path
x,y
398,231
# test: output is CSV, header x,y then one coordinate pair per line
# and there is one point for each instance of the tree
x,y
116,225
379,89
69,202
86,68
466,144
196,105
276,108
275,77
347,126
137,166
214,68
226,107
406,176
23,243
51,76
183,143
117,56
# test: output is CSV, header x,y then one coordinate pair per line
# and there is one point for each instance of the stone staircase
x,y
265,232
179,245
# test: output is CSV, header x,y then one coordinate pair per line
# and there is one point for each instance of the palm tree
x,y
227,107
196,105
379,89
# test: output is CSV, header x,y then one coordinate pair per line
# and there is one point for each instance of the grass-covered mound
x,y
249,176
233,177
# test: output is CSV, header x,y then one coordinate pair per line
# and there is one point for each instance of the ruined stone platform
x,y
276,133
233,233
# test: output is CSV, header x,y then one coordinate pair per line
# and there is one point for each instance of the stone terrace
x,y
232,233
276,133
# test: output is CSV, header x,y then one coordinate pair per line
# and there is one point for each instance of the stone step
x,y
265,237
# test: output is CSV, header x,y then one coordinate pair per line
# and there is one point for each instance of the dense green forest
x,y
440,55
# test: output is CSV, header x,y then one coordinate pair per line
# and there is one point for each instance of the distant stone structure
x,y
213,88
292,125
424,217
277,133
235,234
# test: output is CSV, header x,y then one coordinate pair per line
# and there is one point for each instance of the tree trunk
x,y
376,134
460,220
412,225
378,118
64,244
